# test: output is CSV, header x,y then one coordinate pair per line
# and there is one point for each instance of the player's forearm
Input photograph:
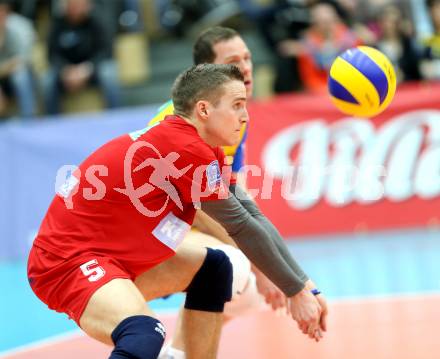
x,y
254,211
279,242
255,242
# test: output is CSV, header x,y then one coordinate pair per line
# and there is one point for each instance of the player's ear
x,y
201,108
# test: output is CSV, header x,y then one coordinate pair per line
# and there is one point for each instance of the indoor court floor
x,y
383,291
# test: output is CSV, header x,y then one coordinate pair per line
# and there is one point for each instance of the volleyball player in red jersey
x,y
128,207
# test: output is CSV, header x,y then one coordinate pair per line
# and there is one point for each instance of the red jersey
x,y
133,199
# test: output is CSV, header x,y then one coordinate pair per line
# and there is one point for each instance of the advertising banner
x,y
314,170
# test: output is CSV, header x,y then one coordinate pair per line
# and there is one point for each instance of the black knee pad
x,y
211,287
139,336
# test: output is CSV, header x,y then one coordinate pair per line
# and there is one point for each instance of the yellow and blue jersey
x,y
432,47
235,152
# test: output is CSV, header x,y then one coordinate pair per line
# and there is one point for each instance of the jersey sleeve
x,y
202,180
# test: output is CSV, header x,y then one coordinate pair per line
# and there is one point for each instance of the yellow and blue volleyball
x,y
362,82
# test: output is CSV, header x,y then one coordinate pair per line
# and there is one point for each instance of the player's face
x,y
227,117
235,52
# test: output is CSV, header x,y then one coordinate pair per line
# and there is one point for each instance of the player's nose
x,y
243,67
245,117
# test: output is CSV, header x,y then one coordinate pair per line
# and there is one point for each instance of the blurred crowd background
x,y
60,56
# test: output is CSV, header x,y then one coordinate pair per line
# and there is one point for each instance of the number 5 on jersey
x,y
92,270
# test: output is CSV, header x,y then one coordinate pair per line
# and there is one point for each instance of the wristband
x,y
315,291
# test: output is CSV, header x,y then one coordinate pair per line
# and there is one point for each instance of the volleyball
x,y
362,82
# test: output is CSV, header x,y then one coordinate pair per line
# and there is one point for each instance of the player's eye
x,y
235,62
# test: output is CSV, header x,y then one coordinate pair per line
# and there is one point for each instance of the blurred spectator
x,y
431,65
130,16
16,43
395,39
326,38
356,14
120,16
180,17
80,53
281,20
29,8
286,20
